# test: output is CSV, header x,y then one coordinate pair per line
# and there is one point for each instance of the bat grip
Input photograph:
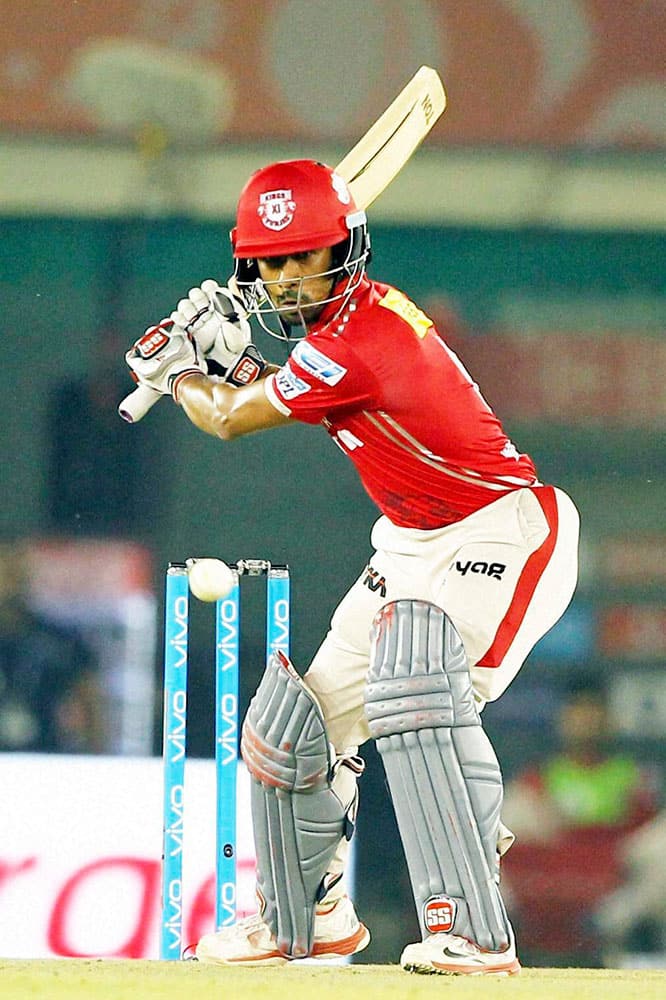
x,y
135,406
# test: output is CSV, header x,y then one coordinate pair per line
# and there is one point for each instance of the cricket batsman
x,y
474,559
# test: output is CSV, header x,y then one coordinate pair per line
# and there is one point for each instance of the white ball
x,y
210,579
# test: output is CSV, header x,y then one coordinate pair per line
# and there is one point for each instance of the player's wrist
x,y
246,367
178,380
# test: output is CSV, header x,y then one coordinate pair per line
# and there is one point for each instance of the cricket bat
x,y
368,169
386,147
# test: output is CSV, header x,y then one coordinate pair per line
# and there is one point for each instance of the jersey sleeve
x,y
317,381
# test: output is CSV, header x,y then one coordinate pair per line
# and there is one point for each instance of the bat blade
x,y
386,147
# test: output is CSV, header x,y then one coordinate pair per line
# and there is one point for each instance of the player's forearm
x,y
206,403
226,412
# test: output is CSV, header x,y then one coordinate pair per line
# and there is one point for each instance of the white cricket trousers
x,y
504,575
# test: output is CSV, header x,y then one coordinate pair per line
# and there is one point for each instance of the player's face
x,y
298,284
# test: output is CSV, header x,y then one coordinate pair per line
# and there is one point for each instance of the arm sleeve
x,y
315,382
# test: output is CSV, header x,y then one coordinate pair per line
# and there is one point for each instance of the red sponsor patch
x,y
439,912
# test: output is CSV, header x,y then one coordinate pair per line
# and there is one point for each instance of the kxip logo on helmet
x,y
276,209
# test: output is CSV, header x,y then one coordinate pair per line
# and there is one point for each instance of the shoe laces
x,y
251,923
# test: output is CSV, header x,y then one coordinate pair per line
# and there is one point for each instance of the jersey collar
x,y
331,311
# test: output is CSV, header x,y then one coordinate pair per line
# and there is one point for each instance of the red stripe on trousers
x,y
527,582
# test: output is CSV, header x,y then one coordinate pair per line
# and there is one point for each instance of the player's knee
x,y
418,674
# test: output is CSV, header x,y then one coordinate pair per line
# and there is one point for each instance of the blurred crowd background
x,y
531,226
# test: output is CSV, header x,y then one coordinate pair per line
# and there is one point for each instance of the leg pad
x,y
297,817
444,778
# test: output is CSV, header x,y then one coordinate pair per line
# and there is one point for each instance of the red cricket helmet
x,y
292,206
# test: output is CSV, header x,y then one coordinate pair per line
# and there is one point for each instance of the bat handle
x,y
135,406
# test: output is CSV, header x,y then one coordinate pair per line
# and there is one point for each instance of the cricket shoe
x,y
451,955
337,932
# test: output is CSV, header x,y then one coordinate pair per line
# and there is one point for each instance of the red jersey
x,y
397,400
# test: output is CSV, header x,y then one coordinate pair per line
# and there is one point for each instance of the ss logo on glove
x,y
153,341
247,367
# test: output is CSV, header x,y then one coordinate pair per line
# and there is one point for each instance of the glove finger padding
x,y
216,319
227,299
229,340
235,332
196,315
188,311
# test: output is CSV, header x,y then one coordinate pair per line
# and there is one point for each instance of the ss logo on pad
x,y
439,913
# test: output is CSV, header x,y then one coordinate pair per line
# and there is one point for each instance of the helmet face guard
x,y
289,208
349,262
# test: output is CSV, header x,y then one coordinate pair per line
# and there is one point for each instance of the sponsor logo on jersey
x,y
493,569
290,385
439,913
276,209
317,364
405,308
373,581
510,451
346,441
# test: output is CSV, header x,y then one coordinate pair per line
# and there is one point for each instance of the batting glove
x,y
162,357
216,320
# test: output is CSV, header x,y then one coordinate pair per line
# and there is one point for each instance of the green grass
x,y
109,979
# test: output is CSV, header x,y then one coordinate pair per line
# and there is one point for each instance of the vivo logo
x,y
228,730
176,732
172,927
280,626
174,831
179,637
227,903
228,645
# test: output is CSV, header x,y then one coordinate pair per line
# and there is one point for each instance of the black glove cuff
x,y
246,368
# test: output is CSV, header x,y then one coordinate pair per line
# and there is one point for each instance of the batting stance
x,y
474,560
